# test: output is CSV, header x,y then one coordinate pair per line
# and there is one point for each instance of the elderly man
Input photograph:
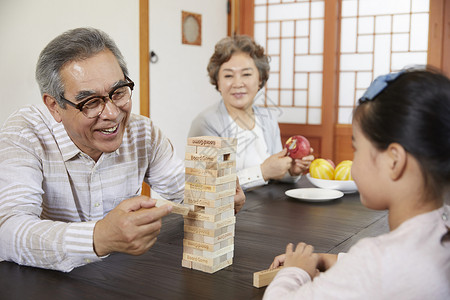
x,y
72,170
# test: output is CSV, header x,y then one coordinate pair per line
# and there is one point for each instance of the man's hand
x,y
275,166
132,227
239,197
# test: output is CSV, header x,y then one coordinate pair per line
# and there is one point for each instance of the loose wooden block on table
x,y
264,277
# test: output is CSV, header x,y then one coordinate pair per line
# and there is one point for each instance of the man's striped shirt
x,y
52,194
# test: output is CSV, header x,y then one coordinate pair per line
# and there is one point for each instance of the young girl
x,y
401,138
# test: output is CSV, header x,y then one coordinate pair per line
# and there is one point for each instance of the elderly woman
x,y
239,69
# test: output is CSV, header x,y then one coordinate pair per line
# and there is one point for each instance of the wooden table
x,y
268,221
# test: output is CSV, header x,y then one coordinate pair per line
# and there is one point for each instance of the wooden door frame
x,y
144,68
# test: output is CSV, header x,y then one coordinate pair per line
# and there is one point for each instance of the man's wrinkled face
x,y
96,75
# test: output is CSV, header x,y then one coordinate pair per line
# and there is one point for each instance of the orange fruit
x,y
343,170
321,169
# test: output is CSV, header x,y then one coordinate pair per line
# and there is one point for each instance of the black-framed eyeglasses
x,y
93,106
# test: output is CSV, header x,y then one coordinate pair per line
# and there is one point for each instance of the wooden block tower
x,y
208,243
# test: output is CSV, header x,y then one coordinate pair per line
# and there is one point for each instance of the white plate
x,y
346,186
314,194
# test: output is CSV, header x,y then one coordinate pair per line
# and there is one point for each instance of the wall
x,y
27,26
179,85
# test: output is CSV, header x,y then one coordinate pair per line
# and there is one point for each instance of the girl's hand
x,y
278,261
303,257
326,261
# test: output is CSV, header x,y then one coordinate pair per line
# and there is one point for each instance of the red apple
x,y
298,146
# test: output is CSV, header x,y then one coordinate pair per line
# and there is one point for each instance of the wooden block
x,y
222,237
196,164
209,250
213,269
199,194
222,194
219,210
209,203
210,158
195,179
219,180
208,232
212,141
226,171
205,202
208,261
203,172
211,188
176,207
210,151
202,187
206,239
191,149
228,251
263,278
202,216
186,263
209,225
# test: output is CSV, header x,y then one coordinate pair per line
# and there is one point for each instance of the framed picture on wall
x,y
191,28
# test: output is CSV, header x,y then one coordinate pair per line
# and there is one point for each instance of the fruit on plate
x,y
321,169
298,146
343,170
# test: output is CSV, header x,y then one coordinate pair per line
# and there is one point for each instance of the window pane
x,y
378,37
315,89
294,39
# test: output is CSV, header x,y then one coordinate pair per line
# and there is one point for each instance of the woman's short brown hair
x,y
228,46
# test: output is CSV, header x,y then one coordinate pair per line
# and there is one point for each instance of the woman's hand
x,y
301,166
275,166
239,197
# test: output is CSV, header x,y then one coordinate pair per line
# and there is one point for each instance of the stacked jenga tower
x,y
208,243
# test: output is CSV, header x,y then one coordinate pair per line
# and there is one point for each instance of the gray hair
x,y
72,45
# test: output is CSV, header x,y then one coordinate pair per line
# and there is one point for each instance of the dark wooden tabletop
x,y
268,221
